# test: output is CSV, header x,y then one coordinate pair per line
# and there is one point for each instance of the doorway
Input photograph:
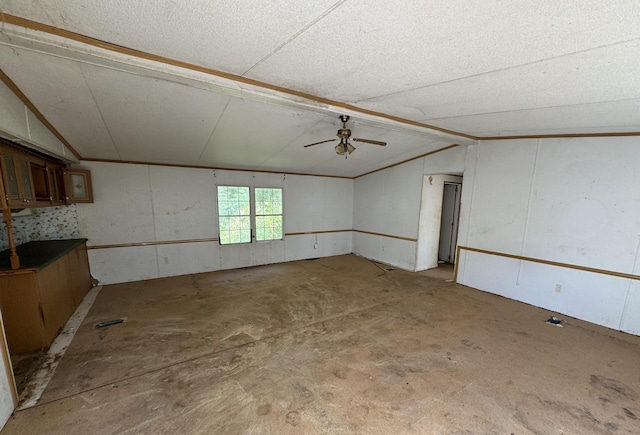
x,y
449,222
431,217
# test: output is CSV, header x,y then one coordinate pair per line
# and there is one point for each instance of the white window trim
x,y
252,213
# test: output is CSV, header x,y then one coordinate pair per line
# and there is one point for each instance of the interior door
x,y
448,223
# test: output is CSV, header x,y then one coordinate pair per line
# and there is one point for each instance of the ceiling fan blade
x,y
375,142
318,143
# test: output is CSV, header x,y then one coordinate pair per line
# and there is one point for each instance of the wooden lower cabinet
x,y
36,303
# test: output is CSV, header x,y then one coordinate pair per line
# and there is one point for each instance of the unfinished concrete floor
x,y
334,345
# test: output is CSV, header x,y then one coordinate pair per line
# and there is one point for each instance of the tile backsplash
x,y
47,223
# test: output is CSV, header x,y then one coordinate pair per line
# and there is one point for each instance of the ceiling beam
x,y
52,30
561,135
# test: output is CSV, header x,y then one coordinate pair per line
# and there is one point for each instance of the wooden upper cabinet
x,y
56,182
33,180
3,199
77,185
16,174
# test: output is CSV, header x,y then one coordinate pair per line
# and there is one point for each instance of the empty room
x,y
330,217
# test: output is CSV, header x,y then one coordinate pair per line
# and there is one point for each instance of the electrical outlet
x,y
166,260
558,288
315,246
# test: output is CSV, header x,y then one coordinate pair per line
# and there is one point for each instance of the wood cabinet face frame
x,y
18,181
29,180
3,200
77,186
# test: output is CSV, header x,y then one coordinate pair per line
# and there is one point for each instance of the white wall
x,y
574,201
388,202
135,204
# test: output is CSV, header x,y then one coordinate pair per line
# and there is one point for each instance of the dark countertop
x,y
39,254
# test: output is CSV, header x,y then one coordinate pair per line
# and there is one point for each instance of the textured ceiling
x,y
491,68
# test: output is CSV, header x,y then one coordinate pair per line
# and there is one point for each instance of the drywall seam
x,y
473,190
526,218
626,299
153,219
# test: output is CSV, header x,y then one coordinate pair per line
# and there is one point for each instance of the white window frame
x,y
220,216
252,214
256,215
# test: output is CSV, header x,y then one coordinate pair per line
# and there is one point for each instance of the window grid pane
x,y
234,214
268,213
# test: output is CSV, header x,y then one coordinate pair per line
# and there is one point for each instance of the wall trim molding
x,y
163,242
408,239
215,239
541,261
212,168
562,135
304,233
408,160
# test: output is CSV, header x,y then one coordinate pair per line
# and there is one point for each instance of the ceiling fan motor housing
x,y
344,133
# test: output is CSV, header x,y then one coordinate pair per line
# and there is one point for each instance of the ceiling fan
x,y
344,147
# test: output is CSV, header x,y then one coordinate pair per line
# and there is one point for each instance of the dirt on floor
x,y
336,345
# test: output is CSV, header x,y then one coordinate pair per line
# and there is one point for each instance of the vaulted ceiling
x,y
246,83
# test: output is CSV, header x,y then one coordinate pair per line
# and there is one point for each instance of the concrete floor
x,y
335,345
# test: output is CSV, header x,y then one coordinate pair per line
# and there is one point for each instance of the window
x,y
268,214
236,216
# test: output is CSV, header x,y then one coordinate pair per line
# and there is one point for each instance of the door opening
x,y
449,222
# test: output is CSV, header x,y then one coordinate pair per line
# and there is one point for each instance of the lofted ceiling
x,y
246,83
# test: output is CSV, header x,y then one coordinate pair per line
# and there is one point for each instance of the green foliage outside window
x,y
234,214
268,213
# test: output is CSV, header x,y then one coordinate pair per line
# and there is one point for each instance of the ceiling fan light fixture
x,y
350,148
344,148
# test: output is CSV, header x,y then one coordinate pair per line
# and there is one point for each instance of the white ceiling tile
x,y
57,88
615,116
154,120
230,35
250,133
12,113
599,75
365,49
484,68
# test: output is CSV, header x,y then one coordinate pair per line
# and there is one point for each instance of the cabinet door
x,y
12,181
77,185
26,181
41,183
3,196
56,184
